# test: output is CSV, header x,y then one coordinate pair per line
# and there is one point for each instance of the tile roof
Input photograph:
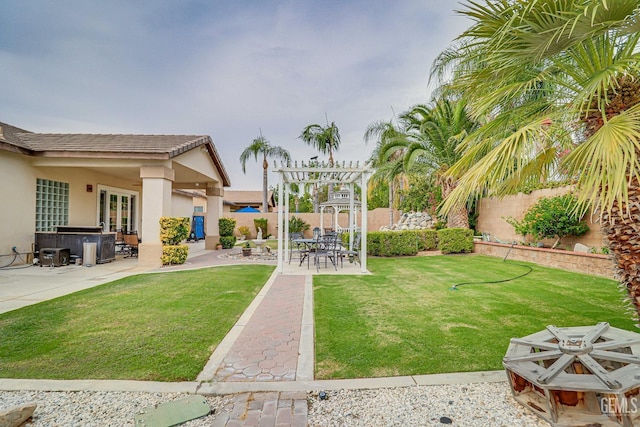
x,y
118,144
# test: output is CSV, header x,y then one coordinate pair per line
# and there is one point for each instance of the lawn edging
x,y
596,264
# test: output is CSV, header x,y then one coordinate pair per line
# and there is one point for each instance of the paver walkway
x,y
268,346
265,409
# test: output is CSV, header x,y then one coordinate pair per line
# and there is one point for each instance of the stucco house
x,y
114,181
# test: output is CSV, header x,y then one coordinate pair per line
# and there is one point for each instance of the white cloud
x,y
226,69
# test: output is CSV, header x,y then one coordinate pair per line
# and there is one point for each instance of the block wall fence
x,y
493,213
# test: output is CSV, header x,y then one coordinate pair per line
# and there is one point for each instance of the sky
x,y
231,69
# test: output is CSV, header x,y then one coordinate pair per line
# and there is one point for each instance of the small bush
x,y
174,254
297,225
261,223
244,231
226,226
427,239
174,230
392,243
227,242
455,240
551,217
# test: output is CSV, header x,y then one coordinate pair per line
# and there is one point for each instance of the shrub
x,y
174,230
174,254
427,239
261,223
227,242
551,217
297,225
392,243
226,226
244,231
397,243
455,240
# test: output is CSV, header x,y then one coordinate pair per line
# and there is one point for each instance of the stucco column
x,y
156,202
214,209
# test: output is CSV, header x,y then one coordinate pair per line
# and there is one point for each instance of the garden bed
x,y
596,264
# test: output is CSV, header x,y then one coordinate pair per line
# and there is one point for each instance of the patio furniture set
x,y
328,246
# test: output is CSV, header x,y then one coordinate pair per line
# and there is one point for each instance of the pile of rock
x,y
411,221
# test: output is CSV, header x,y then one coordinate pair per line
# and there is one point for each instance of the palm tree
x,y
432,134
325,139
556,76
388,167
261,146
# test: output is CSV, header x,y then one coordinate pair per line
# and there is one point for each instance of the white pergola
x,y
322,173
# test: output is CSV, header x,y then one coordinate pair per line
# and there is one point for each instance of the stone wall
x,y
598,265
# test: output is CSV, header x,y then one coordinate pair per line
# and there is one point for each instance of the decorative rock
x,y
17,415
579,247
411,221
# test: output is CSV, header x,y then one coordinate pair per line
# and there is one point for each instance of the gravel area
x,y
96,409
465,405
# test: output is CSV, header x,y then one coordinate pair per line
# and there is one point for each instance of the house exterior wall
x,y
182,205
17,191
17,224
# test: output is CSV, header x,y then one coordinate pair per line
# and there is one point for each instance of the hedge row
x,y
410,242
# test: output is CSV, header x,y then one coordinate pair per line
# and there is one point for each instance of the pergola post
x,y
287,187
352,215
363,241
279,225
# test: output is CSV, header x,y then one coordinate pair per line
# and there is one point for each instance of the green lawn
x,y
160,327
405,320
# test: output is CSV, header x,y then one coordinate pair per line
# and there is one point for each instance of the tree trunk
x,y
390,202
458,217
622,229
265,188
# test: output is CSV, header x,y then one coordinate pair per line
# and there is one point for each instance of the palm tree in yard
x,y
388,167
325,139
554,77
261,147
430,137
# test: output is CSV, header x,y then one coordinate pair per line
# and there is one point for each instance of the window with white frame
x,y
52,204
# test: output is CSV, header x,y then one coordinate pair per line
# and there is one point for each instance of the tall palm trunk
x,y
458,217
622,229
391,202
622,225
265,190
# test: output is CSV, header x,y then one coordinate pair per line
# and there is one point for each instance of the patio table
x,y
309,244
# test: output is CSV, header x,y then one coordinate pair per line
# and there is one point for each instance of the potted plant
x,y
245,232
246,249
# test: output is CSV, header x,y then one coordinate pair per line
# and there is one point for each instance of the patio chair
x,y
351,254
120,244
327,247
296,247
131,241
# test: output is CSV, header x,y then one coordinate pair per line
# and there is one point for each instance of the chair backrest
x,y
131,239
328,241
356,242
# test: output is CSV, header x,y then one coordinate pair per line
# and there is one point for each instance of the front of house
x,y
117,182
